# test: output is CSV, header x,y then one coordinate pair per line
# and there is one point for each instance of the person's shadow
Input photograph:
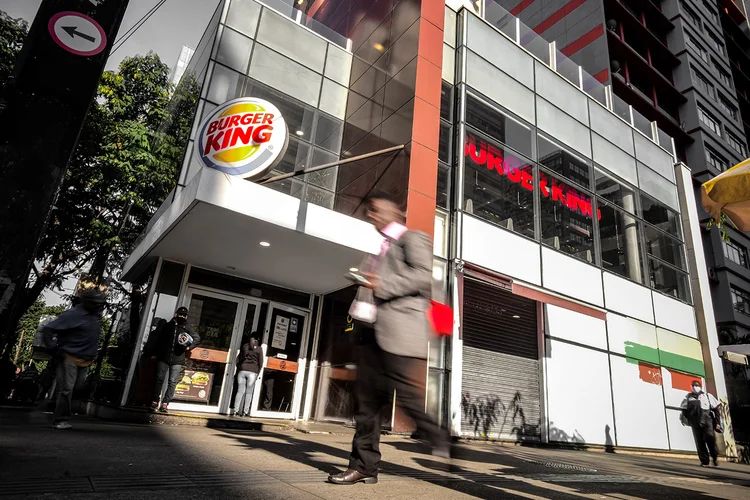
x,y
609,443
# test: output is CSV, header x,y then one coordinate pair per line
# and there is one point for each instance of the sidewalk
x,y
100,459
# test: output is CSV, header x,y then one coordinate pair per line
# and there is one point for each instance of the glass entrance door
x,y
280,382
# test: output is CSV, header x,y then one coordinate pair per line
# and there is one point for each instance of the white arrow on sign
x,y
77,33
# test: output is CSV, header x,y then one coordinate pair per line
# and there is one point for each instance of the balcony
x,y
634,27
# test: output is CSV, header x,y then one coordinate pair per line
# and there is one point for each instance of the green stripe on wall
x,y
642,352
682,363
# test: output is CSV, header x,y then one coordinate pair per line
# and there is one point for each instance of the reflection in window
x,y
446,102
735,252
664,247
660,216
668,280
740,300
566,218
329,132
498,185
443,186
444,147
298,117
619,234
499,125
558,159
614,191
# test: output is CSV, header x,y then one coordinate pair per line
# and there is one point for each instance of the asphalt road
x,y
118,461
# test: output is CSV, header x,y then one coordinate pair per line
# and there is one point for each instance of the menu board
x,y
194,386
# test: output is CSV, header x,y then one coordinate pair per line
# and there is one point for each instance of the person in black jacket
x,y
249,363
174,340
75,335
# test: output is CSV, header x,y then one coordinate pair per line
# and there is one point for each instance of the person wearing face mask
x,y
174,341
249,363
700,411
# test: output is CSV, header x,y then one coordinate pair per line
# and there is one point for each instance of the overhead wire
x,y
133,29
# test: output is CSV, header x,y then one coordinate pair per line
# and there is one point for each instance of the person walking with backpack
x,y
249,363
700,411
174,341
74,337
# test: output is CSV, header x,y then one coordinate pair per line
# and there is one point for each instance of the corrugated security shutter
x,y
500,379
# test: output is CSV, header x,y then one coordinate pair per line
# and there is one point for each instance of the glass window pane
x,y
500,51
225,84
498,185
619,235
324,178
443,186
566,217
664,247
652,155
295,158
293,187
329,133
668,280
660,216
444,147
568,98
333,99
614,159
563,127
284,74
320,197
234,50
612,190
243,16
563,162
499,125
299,118
657,186
288,38
446,102
499,87
338,65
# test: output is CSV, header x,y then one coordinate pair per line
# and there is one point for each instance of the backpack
x,y
693,412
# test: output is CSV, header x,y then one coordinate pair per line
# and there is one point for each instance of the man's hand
x,y
374,280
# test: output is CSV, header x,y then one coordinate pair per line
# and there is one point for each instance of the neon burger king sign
x,y
245,137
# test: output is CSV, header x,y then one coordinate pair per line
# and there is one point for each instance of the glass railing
x,y
527,38
287,8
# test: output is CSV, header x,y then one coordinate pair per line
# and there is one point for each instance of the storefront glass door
x,y
279,389
219,319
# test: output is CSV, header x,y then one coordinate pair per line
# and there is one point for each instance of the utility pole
x,y
42,110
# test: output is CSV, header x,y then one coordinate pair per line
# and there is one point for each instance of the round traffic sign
x,y
77,33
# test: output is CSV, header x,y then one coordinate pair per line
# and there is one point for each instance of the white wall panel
x,y
576,327
499,87
639,407
676,386
501,251
680,437
614,159
571,277
674,315
563,127
628,298
556,89
579,401
611,127
655,157
500,51
632,338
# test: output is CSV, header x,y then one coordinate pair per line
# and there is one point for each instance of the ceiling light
x,y
516,316
353,269
300,2
379,47
265,244
300,132
232,268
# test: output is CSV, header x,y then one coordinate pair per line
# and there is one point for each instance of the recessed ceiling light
x,y
265,244
231,268
300,132
379,47
516,316
353,269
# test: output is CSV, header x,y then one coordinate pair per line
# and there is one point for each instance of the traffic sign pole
x,y
42,109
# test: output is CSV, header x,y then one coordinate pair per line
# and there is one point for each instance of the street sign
x,y
77,33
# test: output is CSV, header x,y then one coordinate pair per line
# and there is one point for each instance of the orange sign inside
x,y
214,355
282,365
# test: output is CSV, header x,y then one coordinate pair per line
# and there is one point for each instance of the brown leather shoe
x,y
352,476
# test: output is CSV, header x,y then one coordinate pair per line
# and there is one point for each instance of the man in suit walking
x,y
394,351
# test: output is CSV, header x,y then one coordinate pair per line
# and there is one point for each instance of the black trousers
x,y
705,441
378,374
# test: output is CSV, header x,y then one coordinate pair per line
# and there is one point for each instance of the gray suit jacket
x,y
403,296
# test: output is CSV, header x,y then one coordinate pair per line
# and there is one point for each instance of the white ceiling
x,y
216,238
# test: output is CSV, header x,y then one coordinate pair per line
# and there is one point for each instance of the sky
x,y
176,23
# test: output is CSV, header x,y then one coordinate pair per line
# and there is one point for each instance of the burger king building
x,y
564,238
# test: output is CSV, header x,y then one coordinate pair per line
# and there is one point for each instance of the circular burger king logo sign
x,y
245,137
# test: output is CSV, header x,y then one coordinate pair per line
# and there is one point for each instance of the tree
x,y
12,34
27,328
125,164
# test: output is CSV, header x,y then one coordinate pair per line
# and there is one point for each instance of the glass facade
x,y
565,172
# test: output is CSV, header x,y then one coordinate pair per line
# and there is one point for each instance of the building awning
x,y
735,353
217,222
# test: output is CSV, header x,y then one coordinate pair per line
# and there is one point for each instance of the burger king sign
x,y
245,137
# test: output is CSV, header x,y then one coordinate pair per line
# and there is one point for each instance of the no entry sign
x,y
77,33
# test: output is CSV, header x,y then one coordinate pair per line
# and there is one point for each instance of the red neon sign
x,y
521,172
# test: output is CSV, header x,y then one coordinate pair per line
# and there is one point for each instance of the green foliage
x,y
27,327
722,225
12,34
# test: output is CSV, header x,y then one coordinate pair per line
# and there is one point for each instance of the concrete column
x,y
702,302
632,250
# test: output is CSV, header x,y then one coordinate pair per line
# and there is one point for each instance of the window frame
x,y
712,158
709,121
736,292
736,143
741,252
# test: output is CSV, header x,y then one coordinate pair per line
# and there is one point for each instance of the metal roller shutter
x,y
500,379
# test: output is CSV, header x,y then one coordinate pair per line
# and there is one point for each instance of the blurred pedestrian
x,y
249,363
701,411
174,341
394,350
74,336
